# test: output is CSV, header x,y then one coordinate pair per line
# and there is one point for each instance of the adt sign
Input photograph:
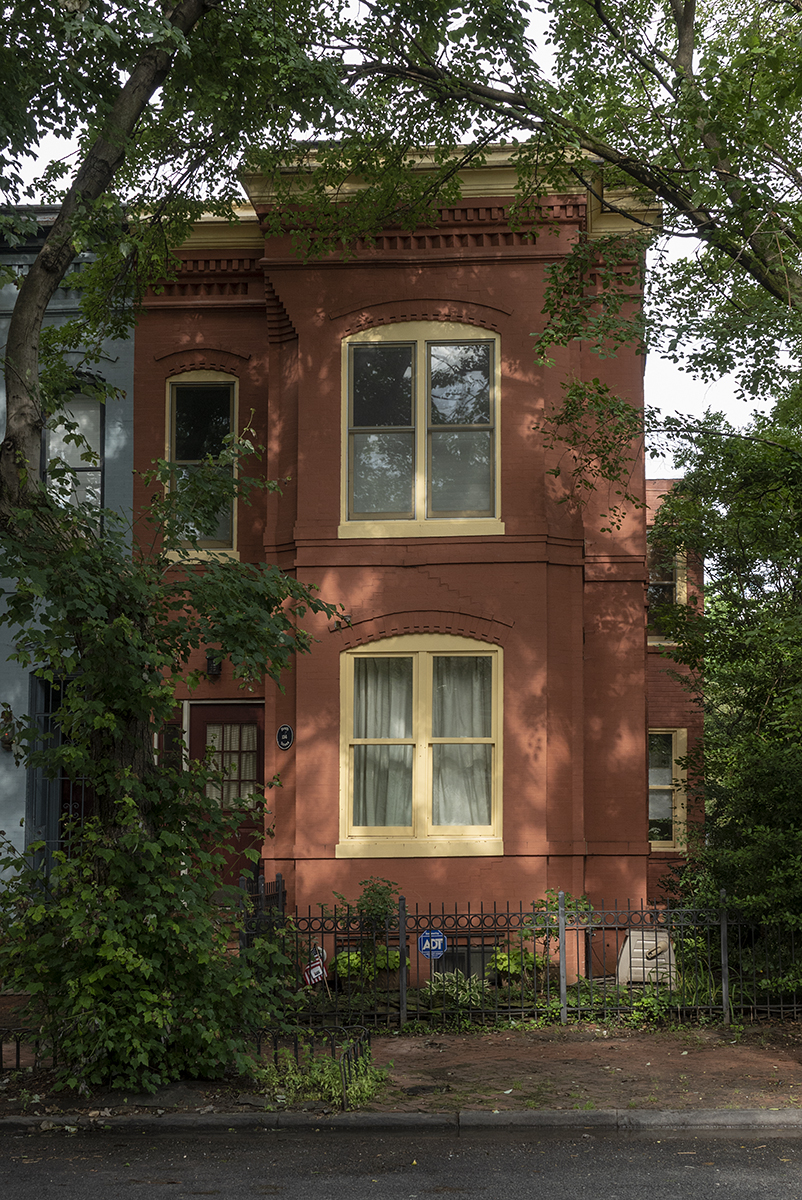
x,y
432,943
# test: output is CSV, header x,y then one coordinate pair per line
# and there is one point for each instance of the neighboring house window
x,y
52,800
230,736
202,415
421,748
667,788
84,457
421,431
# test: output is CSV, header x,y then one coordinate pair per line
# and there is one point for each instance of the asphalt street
x,y
508,1165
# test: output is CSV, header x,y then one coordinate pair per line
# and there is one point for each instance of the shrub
x,y
125,951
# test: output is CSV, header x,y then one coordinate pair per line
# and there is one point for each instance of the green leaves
x,y
130,972
737,511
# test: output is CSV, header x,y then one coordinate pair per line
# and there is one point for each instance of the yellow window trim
x,y
679,794
421,332
203,554
423,839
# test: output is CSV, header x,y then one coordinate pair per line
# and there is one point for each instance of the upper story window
x,y
421,748
420,431
667,584
78,442
201,416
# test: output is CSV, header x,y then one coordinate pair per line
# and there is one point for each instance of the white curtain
x,y
383,709
461,708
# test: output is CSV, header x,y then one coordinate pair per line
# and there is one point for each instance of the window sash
x,y
419,469
430,775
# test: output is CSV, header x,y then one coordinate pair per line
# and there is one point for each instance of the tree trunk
x,y
20,449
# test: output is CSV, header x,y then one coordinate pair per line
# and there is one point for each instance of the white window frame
x,y
422,838
81,468
679,749
421,333
201,377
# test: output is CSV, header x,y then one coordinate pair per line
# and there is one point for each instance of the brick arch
x,y
467,625
403,311
204,358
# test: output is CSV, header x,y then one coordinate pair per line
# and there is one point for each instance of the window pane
x,y
661,759
461,782
383,785
382,473
383,697
661,822
86,414
461,473
459,382
202,416
462,696
215,528
382,385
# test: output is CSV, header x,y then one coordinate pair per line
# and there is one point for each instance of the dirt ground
x,y
594,1067
580,1067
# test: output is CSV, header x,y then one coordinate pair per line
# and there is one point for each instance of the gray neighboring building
x,y
31,806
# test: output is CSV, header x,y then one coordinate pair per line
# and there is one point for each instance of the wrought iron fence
x,y
566,961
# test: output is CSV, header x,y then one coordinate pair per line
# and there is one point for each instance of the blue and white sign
x,y
432,943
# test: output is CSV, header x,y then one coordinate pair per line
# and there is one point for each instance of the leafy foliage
x,y
738,509
125,950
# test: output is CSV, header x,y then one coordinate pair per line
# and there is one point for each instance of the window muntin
x,y
421,426
202,416
422,741
666,788
84,458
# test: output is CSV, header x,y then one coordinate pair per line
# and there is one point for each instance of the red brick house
x,y
476,727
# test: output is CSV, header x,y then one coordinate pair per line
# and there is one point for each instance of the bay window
x,y
420,431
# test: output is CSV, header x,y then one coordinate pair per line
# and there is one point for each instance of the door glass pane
x,y
383,697
459,383
462,696
382,465
461,472
383,785
382,385
461,783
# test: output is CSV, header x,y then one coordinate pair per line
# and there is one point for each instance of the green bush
x,y
360,967
452,989
127,955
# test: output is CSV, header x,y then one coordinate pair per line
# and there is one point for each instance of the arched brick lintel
x,y
401,312
204,358
467,625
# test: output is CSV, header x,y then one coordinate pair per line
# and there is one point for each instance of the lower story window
x,y
667,788
421,757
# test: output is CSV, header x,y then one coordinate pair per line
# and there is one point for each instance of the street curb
x,y
621,1120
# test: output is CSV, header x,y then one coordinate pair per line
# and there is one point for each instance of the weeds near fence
x,y
337,1073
